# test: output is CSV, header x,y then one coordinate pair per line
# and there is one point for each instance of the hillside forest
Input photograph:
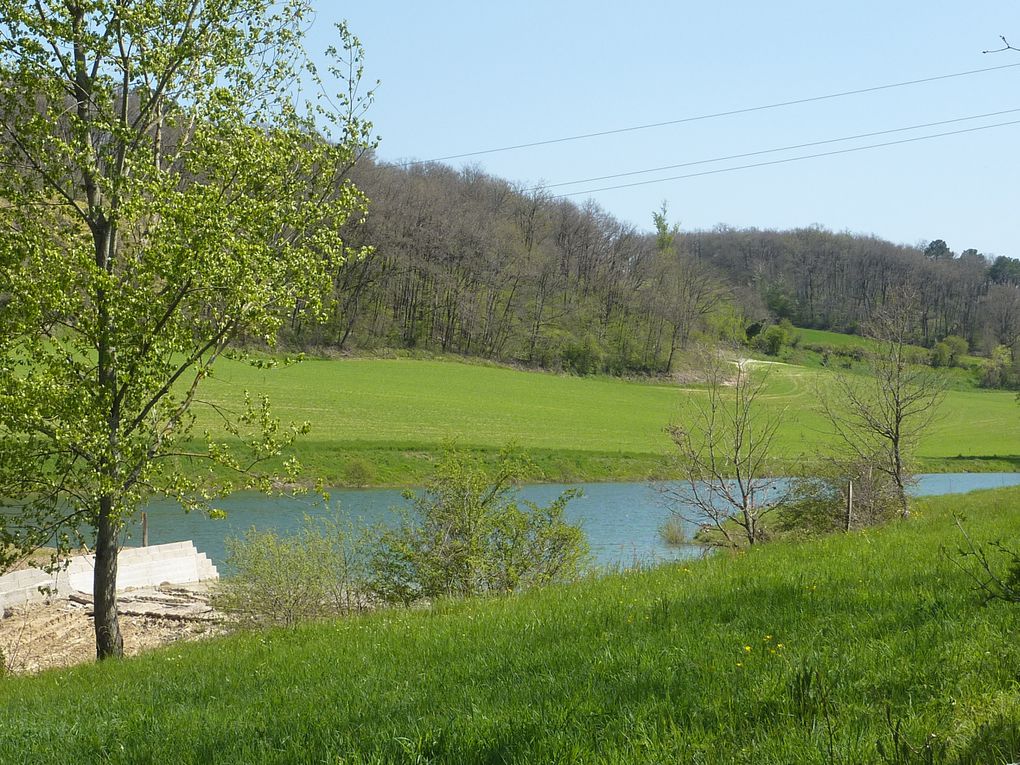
x,y
466,263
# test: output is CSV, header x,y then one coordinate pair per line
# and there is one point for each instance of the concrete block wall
x,y
20,587
174,563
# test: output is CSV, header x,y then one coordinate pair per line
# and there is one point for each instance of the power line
x,y
714,115
773,151
787,159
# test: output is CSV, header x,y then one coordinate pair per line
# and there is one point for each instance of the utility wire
x,y
787,159
714,115
542,186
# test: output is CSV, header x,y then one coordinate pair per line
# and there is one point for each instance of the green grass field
x,y
865,648
384,421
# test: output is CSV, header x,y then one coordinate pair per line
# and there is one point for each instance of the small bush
x,y
949,352
776,338
941,354
358,472
818,503
771,341
284,580
1000,370
583,358
673,533
467,534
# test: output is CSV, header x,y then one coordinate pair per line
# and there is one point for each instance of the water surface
x,y
622,520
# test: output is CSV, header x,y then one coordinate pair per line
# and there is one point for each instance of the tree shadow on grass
x,y
994,743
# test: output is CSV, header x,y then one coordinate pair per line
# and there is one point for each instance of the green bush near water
x,y
868,647
469,534
285,580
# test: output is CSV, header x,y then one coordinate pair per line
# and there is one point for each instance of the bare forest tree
x,y
469,264
683,290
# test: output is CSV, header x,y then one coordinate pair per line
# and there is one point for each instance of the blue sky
x,y
466,76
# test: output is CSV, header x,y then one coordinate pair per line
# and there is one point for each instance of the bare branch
x,y
725,442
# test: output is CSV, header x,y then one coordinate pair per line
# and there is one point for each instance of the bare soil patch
x,y
61,633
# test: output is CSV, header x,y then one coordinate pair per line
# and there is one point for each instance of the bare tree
x,y
724,442
880,416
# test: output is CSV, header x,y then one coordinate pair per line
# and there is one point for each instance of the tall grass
x,y
864,648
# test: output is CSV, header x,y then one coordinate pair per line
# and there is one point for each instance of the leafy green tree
x,y
938,250
164,192
1005,270
949,351
998,371
683,293
468,534
941,354
775,338
583,358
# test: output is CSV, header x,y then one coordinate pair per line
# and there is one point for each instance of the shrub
x,y
467,534
818,503
949,352
771,341
999,370
583,358
941,355
958,348
673,533
993,567
289,579
358,472
775,338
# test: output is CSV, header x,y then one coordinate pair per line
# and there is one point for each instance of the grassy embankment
x,y
383,422
790,653
962,376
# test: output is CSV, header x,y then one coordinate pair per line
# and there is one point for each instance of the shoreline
x,y
600,468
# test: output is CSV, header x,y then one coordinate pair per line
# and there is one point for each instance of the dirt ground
x,y
60,634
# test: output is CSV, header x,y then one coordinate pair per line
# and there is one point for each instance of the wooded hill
x,y
472,264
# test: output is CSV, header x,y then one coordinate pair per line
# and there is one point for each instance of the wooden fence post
x,y
849,503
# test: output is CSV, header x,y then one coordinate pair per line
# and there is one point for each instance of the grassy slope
x,y
383,421
788,653
835,341
828,339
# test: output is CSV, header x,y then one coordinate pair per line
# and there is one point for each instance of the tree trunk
x,y
672,347
901,488
849,504
109,642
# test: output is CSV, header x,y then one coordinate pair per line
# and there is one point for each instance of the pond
x,y
621,520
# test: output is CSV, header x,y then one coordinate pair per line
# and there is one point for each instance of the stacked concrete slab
x,y
174,563
25,586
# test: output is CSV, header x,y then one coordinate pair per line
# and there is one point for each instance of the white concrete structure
x,y
174,563
24,586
